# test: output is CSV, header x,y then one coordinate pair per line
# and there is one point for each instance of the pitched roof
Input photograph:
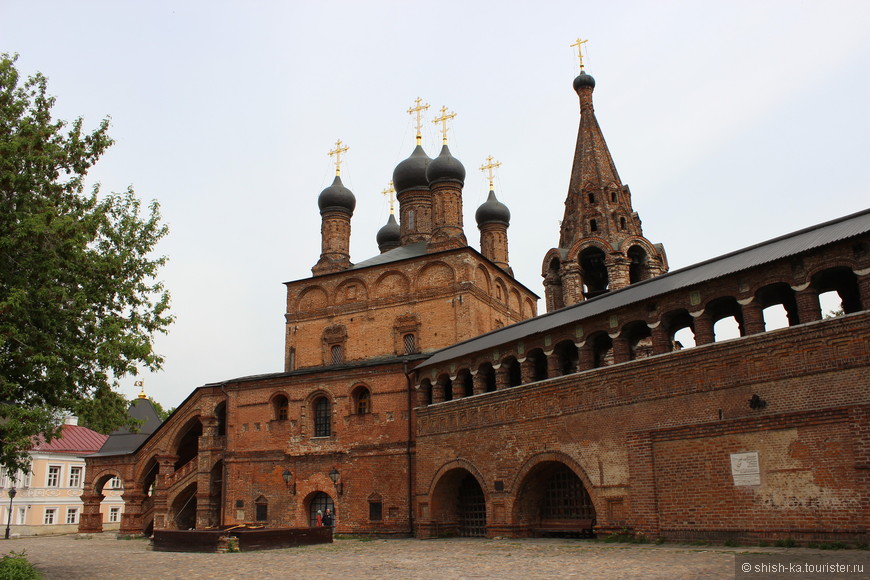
x,y
123,441
782,247
73,439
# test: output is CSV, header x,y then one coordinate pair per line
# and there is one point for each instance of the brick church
x,y
423,394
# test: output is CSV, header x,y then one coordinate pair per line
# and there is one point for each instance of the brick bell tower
x,y
601,243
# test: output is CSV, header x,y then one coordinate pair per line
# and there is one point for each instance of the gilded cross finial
x,y
337,153
418,111
141,385
579,44
488,168
445,116
389,192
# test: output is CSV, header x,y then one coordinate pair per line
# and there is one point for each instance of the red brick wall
x,y
608,422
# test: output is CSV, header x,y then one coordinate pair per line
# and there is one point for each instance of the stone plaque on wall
x,y
744,468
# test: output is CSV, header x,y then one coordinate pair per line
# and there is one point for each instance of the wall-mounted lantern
x,y
756,403
287,476
335,476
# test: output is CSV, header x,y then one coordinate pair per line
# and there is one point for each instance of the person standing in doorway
x,y
327,518
319,518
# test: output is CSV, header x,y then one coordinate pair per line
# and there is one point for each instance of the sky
x,y
732,122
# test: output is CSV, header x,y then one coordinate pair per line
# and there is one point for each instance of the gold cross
x,y
418,110
488,168
337,152
445,116
389,191
579,44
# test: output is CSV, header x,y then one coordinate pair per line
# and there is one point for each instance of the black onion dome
x,y
492,210
390,233
336,196
445,166
412,171
583,80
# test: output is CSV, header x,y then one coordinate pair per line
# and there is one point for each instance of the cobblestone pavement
x,y
102,556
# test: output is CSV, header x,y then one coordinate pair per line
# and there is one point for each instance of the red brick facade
x,y
392,412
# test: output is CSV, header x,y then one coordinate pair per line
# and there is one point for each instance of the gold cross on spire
x,y
337,153
389,191
488,168
418,109
579,44
445,116
141,385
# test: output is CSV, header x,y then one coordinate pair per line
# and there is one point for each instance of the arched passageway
x,y
554,502
184,509
459,504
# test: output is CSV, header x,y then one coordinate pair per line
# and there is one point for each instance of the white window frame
x,y
49,516
115,483
22,515
114,515
76,473
52,476
72,514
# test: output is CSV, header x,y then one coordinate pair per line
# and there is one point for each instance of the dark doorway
x,y
472,509
565,498
321,502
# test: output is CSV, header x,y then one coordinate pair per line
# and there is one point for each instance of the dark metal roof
x,y
123,441
400,253
788,245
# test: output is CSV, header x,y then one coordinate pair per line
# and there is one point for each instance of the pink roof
x,y
73,439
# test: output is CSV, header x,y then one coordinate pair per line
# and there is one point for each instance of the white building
x,y
47,498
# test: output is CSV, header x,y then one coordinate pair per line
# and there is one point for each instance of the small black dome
x,y
492,210
583,80
412,171
336,196
445,166
390,233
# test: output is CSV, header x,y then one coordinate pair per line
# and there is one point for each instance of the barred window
x,y
376,511
410,343
322,418
336,353
262,509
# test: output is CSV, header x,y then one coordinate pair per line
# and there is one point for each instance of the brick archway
x,y
553,496
458,503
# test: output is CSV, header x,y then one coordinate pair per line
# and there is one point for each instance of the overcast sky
x,y
731,121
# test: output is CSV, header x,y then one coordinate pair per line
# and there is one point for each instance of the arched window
x,y
362,401
322,417
591,197
593,226
282,407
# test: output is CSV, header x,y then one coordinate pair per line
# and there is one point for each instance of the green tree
x,y
79,300
161,412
